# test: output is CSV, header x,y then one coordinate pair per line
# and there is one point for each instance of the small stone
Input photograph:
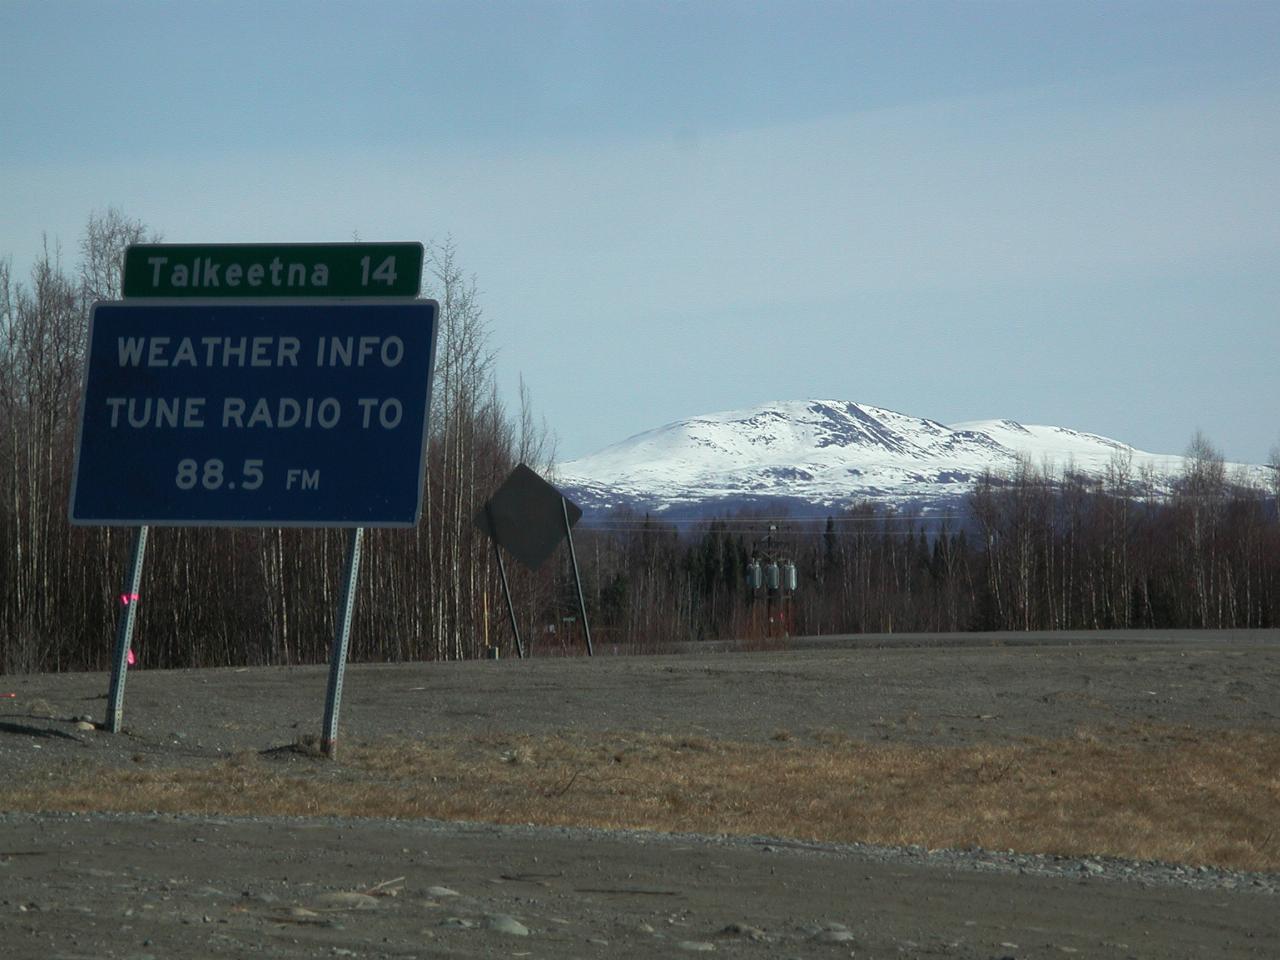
x,y
696,946
85,725
504,923
456,923
745,931
833,936
442,892
347,900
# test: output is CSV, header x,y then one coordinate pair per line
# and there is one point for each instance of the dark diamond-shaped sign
x,y
527,516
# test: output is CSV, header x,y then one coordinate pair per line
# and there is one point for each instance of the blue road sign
x,y
262,413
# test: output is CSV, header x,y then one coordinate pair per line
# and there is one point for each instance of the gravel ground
x,y
184,887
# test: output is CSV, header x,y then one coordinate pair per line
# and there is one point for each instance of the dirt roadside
x,y
138,886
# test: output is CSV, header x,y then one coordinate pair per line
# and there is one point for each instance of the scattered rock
x,y
744,931
347,900
696,946
457,923
833,936
85,725
442,892
832,932
504,923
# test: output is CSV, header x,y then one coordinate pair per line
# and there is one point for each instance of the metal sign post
x,y
338,657
577,580
506,589
124,632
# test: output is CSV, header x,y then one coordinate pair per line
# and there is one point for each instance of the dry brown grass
x,y
1176,795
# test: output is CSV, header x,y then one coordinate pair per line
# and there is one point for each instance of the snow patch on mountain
x,y
830,454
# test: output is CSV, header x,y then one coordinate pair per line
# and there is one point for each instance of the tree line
x,y
1031,550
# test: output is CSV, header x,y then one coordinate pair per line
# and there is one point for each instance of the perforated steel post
x,y
506,588
338,658
124,632
577,580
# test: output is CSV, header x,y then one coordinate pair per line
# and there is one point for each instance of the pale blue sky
x,y
1063,213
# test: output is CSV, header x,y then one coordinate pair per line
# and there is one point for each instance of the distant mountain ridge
x,y
815,456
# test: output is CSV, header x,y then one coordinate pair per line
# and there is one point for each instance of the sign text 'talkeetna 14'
x,y
222,271
284,413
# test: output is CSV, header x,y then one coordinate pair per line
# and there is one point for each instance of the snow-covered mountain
x,y
813,456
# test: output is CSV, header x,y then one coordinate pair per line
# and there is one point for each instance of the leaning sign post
x,y
254,386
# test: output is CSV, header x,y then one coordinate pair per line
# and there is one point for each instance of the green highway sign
x,y
256,270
